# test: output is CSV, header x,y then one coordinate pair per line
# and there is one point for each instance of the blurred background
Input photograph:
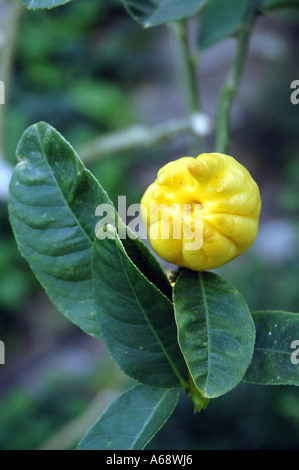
x,y
88,69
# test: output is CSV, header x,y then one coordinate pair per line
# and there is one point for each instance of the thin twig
x,y
190,65
231,87
140,136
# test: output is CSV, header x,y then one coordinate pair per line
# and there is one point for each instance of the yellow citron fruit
x,y
201,212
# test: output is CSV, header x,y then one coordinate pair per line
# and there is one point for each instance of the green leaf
x,y
39,4
132,420
223,19
274,349
136,319
215,331
52,202
147,263
268,5
157,12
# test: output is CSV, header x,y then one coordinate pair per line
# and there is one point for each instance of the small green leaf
x,y
223,19
136,319
157,12
132,420
268,5
215,331
276,355
39,4
52,202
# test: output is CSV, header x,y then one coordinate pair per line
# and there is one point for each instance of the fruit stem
x,y
200,401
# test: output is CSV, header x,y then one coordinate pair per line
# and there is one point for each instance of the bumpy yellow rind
x,y
228,197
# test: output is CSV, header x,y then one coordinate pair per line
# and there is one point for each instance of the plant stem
x,y
189,62
231,87
189,65
147,136
143,136
200,402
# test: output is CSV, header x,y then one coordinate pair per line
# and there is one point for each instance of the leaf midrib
x,y
174,368
58,187
273,351
206,309
158,10
150,19
154,409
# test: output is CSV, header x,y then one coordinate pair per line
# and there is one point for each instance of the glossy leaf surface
x,y
131,421
276,354
136,319
215,331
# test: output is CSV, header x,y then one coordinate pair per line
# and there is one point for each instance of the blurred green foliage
x,y
14,279
43,415
76,67
264,284
71,70
58,69
29,416
248,418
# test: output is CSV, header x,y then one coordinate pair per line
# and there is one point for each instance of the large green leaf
x,y
132,420
222,19
215,331
157,12
276,353
136,319
52,202
38,4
